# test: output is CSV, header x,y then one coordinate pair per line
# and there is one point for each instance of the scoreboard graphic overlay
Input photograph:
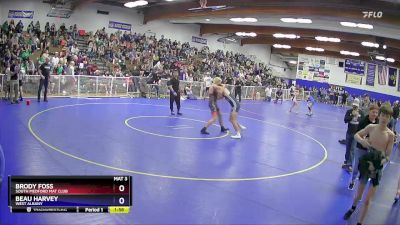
x,y
73,194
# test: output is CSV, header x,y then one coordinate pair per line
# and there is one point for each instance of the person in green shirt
x,y
41,60
25,53
59,69
5,27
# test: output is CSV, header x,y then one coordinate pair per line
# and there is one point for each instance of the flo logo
x,y
373,14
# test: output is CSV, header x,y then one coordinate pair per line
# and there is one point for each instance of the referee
x,y
174,93
44,72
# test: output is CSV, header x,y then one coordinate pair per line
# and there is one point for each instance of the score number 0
x,y
121,200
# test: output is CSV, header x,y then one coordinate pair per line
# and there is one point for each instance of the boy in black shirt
x,y
238,88
352,118
44,72
174,93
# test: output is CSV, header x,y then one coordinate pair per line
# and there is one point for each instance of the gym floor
x,y
286,169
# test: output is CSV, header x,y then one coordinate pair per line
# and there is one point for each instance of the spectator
x,y
395,116
352,118
268,93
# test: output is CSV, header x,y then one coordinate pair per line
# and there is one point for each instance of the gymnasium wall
x,y
86,18
337,76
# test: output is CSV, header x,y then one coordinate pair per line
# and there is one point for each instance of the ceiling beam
x,y
301,43
303,33
338,10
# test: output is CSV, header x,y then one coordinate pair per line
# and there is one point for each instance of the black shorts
x,y
375,157
20,83
207,88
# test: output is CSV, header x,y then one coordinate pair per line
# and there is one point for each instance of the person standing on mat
x,y
44,72
379,144
234,114
174,93
397,197
310,103
207,82
352,118
359,150
14,69
215,93
295,104
238,88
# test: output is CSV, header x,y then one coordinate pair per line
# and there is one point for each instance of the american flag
x,y
382,75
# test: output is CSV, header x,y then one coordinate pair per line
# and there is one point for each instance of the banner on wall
x,y
382,74
392,77
21,14
119,26
354,67
353,79
199,40
371,68
313,68
398,84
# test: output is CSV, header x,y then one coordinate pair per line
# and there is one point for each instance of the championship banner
x,y
353,79
382,74
120,26
20,14
371,68
354,67
199,40
392,77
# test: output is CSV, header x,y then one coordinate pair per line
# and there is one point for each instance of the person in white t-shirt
x,y
55,60
268,93
207,82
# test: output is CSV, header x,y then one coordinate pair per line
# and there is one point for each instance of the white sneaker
x,y
242,127
237,136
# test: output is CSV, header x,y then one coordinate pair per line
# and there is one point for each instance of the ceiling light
x,y
278,35
293,62
294,20
290,36
349,53
247,19
281,46
315,49
207,19
384,46
365,26
304,21
359,25
289,20
348,24
380,57
390,60
245,34
327,39
135,4
169,0
250,20
370,44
